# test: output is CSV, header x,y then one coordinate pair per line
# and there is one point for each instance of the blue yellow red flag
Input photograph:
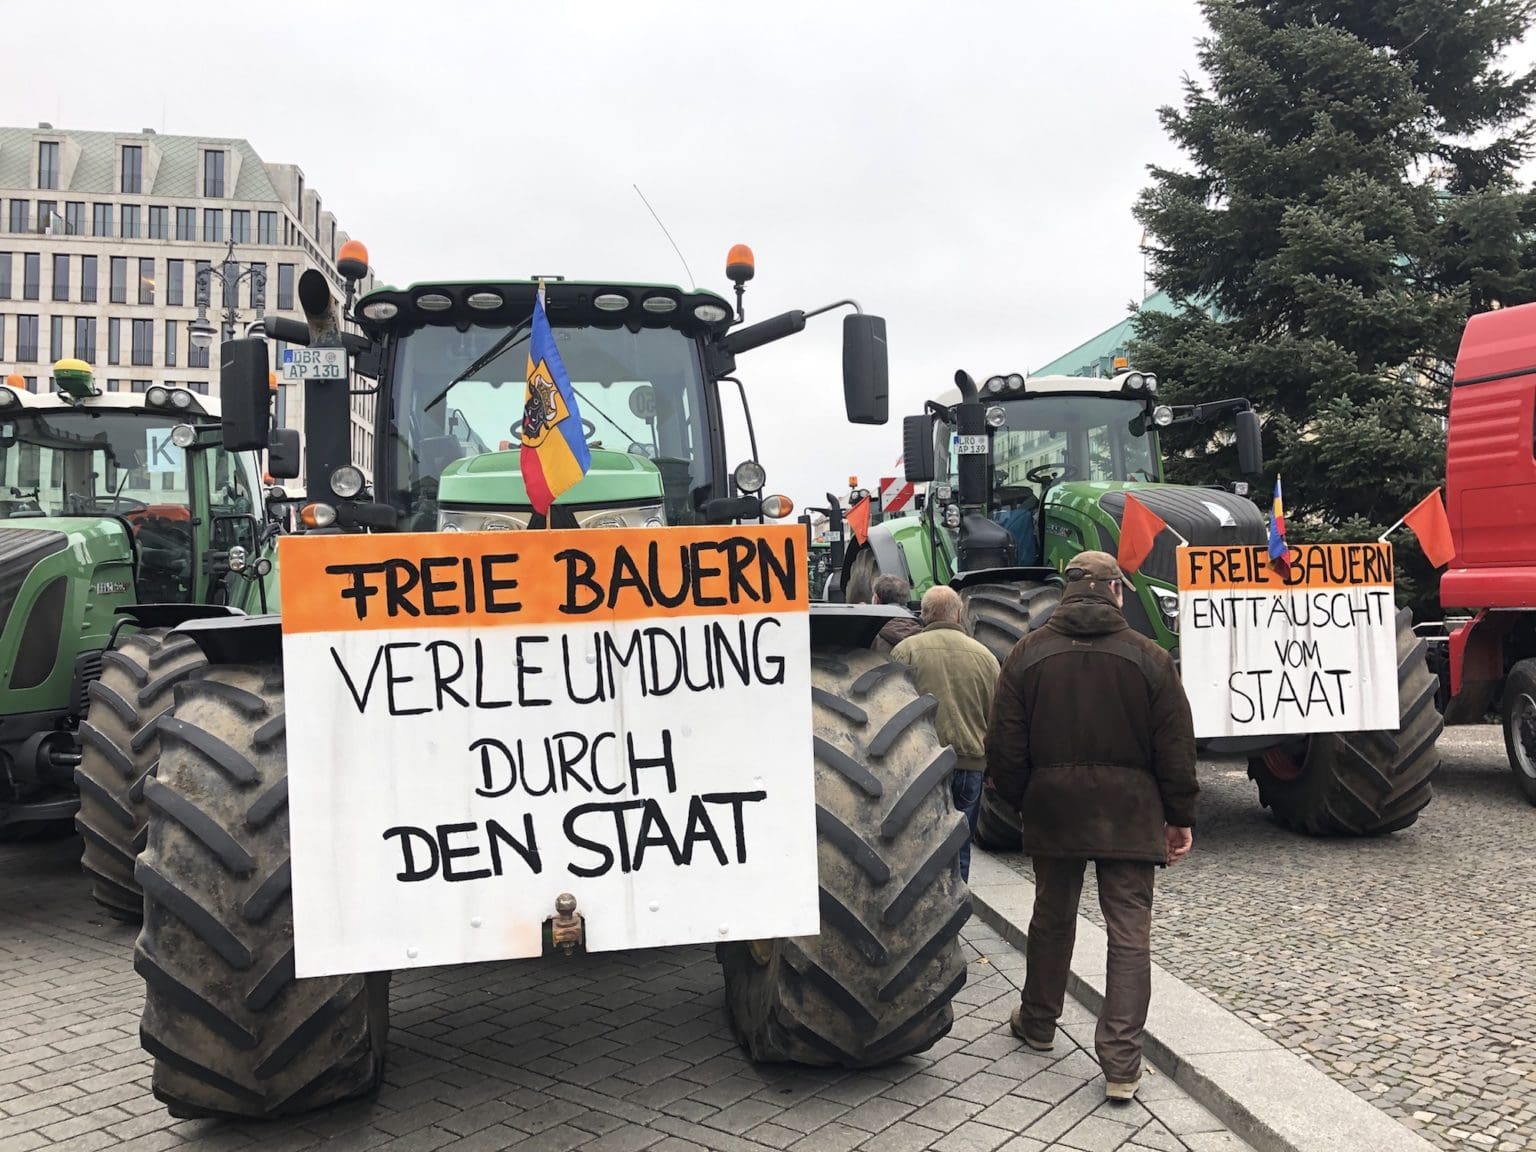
x,y
554,453
1279,550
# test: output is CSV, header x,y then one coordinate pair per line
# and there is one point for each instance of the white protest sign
x,y
160,454
479,722
1266,653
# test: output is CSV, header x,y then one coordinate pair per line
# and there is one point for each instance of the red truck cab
x,y
1489,654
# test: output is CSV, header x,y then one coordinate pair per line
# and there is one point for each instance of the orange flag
x,y
1432,526
857,520
1139,527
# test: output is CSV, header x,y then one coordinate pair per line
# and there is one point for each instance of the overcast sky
x,y
964,169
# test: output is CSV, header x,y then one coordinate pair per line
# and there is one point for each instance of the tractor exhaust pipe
x,y
327,403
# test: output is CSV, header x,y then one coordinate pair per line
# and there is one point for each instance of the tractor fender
x,y
1475,665
889,556
851,625
235,638
166,616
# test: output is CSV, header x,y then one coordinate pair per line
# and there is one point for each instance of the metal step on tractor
x,y
231,1029
1486,655
121,515
1026,472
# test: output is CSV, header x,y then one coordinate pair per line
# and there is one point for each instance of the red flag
x,y
1139,527
1433,528
858,520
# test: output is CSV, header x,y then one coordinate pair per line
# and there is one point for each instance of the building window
x,y
141,386
199,386
46,211
213,225
26,339
285,287
213,174
170,343
31,275
31,383
133,169
175,281
114,385
143,342
56,339
48,164
101,219
240,226
88,279
2,332
231,285
5,283
119,293
200,281
186,223
258,289
146,281
159,222
114,340
196,357
130,221
74,217
61,276
85,339
21,215
266,228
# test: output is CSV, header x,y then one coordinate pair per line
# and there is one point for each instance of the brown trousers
x,y
1125,896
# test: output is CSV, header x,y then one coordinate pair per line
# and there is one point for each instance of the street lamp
x,y
201,331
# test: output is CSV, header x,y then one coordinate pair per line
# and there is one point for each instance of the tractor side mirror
x,y
231,529
245,395
1250,443
866,369
283,454
917,449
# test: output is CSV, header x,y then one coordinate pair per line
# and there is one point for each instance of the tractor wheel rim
x,y
1523,722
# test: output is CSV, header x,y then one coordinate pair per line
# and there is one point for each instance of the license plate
x,y
314,364
970,445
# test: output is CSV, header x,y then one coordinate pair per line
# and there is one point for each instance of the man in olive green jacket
x,y
962,675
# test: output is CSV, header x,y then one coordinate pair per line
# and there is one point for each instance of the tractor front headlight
x,y
449,520
1168,606
646,516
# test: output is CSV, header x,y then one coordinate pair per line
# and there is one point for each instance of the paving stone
x,y
972,1136
1097,1135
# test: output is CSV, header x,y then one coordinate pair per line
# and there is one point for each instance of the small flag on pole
x,y
1429,522
554,454
857,520
1279,550
1139,529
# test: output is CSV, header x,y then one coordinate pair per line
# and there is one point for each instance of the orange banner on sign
x,y
539,577
1247,567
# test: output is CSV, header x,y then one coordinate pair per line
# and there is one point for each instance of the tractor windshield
x,y
1083,437
639,392
95,462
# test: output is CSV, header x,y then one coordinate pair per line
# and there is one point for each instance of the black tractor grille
x,y
1208,516
87,669
20,551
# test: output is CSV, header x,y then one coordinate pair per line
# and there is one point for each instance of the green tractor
x,y
231,1030
121,515
1024,473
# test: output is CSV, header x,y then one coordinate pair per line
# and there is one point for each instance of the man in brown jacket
x,y
890,589
1091,739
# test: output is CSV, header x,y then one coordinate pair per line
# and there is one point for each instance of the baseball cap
x,y
1093,566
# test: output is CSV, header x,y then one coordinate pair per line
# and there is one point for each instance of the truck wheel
x,y
1001,615
997,826
877,983
1361,783
119,747
1520,725
233,1033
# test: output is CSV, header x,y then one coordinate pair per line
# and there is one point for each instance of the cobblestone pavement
x,y
1404,967
612,1054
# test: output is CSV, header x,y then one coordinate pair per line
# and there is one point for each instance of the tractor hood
x,y
1207,516
494,481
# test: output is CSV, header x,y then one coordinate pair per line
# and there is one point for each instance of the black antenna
x,y
692,285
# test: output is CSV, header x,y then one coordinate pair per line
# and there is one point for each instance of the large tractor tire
x,y
1001,615
232,1031
119,748
1361,783
1519,716
877,983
